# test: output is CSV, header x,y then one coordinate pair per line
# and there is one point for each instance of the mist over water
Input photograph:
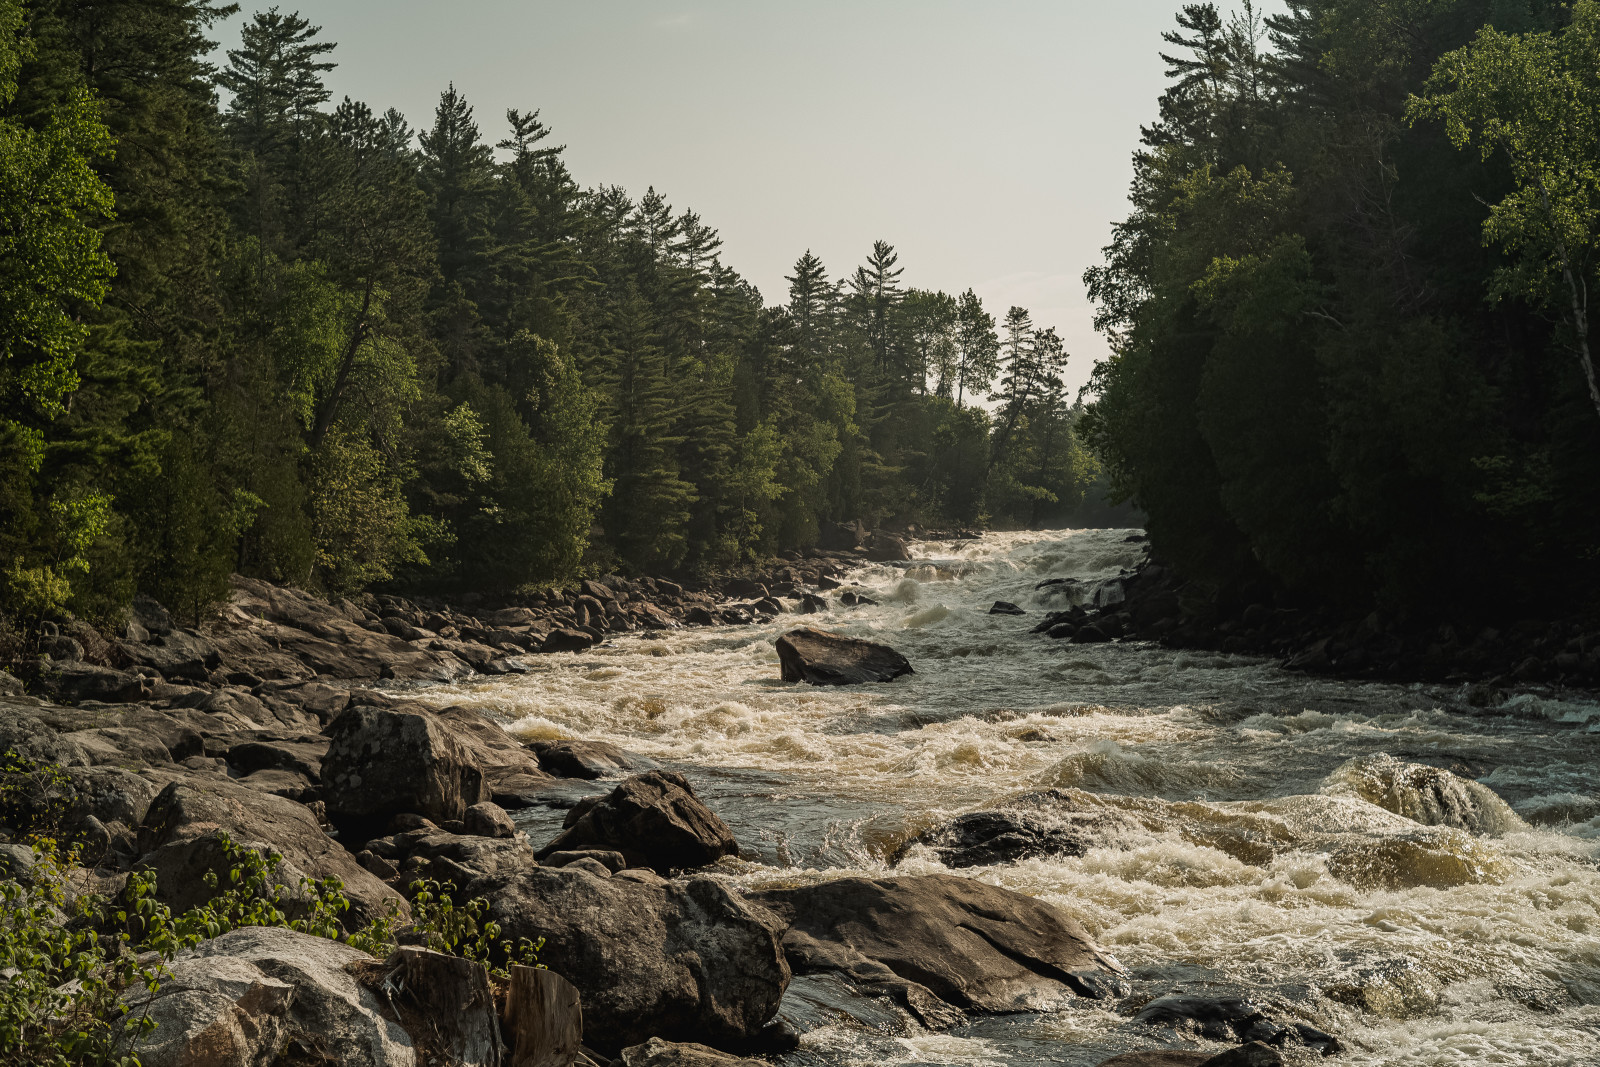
x,y
1412,873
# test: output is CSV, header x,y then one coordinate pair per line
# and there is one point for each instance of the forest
x,y
249,329
1348,308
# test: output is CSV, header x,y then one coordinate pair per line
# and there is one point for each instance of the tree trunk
x,y
1578,295
543,1019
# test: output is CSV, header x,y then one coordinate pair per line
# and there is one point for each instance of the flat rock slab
x,y
973,946
822,657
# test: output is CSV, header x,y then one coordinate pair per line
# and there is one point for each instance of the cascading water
x,y
1416,876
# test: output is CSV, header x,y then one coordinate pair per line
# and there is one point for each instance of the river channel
x,y
1263,832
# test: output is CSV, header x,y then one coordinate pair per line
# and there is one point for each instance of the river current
x,y
1261,832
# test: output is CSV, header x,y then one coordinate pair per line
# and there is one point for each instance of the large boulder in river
x,y
653,819
822,657
588,759
383,761
952,944
681,960
1232,1019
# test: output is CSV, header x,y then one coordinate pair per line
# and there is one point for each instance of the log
x,y
543,1019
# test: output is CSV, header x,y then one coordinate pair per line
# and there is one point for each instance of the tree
x,y
1535,98
977,346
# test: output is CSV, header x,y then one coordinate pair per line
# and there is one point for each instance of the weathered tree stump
x,y
447,1006
543,1019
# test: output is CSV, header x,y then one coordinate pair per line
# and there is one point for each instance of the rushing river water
x,y
1254,837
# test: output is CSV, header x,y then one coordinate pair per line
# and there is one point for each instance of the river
x,y
1255,836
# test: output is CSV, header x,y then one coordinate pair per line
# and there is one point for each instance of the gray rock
x,y
1005,607
941,944
10,685
461,858
589,759
822,657
333,1018
77,682
654,820
676,960
177,840
383,761
566,640
17,863
215,1011
611,861
303,757
487,819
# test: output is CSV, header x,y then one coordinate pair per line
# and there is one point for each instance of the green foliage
x,y
1330,376
462,930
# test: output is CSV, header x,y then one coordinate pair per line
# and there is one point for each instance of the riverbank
x,y
1151,602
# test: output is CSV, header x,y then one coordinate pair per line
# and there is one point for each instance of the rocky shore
x,y
283,725
1154,603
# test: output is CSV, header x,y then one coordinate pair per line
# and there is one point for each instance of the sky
x,y
989,142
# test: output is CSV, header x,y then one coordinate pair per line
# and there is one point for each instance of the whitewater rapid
x,y
1257,831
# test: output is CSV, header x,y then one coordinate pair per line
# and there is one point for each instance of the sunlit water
x,y
1239,845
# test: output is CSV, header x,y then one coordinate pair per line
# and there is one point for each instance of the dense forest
x,y
1351,355
246,328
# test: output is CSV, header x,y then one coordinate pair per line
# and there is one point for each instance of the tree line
x,y
246,328
1348,310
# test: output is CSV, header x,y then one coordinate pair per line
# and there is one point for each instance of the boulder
x,y
487,819
1232,1019
659,1053
77,682
1005,607
462,858
383,761
812,604
588,759
822,657
10,685
567,640
214,1011
985,838
177,840
303,757
887,548
611,861
681,960
332,1018
653,819
939,941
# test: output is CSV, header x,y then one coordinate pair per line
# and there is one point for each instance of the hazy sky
x,y
989,142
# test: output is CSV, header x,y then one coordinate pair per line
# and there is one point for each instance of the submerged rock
x,y
1428,795
659,1053
654,820
822,657
984,838
1005,607
942,945
1232,1019
1254,1054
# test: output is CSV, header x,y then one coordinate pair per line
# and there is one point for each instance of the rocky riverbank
x,y
1154,603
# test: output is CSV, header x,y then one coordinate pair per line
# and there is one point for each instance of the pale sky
x,y
989,142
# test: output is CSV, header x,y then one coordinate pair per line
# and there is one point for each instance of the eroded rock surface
x,y
822,657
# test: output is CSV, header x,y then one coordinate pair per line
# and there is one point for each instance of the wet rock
x,y
1092,633
1062,631
1431,796
1005,607
811,604
567,640
332,1018
1254,1054
487,819
679,960
942,945
653,819
887,548
177,840
985,838
699,616
1232,1019
382,761
659,1053
588,759
821,657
